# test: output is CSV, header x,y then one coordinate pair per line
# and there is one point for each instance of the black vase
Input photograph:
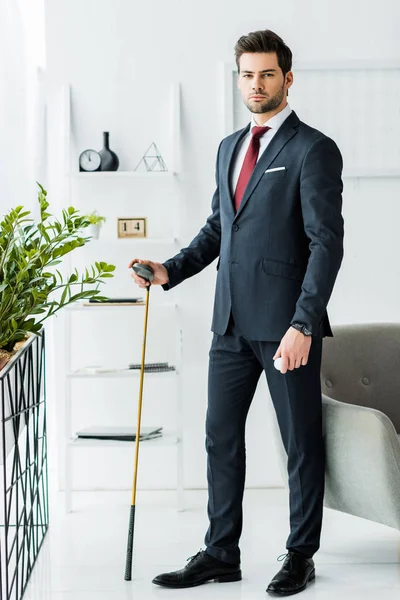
x,y
109,160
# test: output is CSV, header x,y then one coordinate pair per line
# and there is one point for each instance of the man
x,y
277,228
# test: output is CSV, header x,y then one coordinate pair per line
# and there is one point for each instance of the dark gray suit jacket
x,y
279,255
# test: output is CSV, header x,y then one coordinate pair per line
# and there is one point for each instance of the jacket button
x,y
365,380
328,383
235,227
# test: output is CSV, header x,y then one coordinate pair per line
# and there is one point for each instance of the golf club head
x,y
144,271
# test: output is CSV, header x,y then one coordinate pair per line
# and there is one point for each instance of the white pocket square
x,y
275,169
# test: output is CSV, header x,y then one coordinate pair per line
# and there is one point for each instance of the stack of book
x,y
153,367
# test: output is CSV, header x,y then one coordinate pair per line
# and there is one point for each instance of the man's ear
x,y
289,78
288,81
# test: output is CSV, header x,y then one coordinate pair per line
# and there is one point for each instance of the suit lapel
x,y
230,160
285,133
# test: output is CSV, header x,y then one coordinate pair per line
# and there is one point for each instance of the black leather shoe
x,y
296,572
201,568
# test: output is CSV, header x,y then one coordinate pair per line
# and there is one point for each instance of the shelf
x,y
140,240
119,174
370,173
108,306
169,175
165,440
124,373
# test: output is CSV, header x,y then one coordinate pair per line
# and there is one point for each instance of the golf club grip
x,y
129,549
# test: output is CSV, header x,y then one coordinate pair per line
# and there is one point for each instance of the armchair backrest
x,y
361,365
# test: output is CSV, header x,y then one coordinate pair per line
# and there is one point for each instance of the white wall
x,y
13,145
21,104
120,56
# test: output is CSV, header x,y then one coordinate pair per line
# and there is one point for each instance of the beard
x,y
267,105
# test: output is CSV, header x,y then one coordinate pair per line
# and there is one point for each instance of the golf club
x,y
147,273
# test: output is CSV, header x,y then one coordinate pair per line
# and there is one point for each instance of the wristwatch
x,y
302,328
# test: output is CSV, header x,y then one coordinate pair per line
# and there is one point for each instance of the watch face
x,y
89,160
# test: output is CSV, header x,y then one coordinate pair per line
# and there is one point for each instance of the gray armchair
x,y
360,378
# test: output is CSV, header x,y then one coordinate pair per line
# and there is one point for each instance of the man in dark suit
x,y
277,227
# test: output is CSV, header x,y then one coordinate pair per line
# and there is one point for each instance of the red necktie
x,y
249,163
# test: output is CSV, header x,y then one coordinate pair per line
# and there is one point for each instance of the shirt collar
x,y
276,121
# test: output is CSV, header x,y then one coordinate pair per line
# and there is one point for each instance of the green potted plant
x,y
32,289
96,221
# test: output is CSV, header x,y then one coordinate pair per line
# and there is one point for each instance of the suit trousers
x,y
235,366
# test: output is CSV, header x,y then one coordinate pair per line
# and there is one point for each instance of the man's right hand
x,y
160,273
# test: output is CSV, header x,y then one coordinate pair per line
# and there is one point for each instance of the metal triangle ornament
x,y
152,160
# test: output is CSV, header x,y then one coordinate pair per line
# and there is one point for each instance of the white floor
x,y
83,556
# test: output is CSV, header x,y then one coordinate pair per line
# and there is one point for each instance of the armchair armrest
x,y
362,462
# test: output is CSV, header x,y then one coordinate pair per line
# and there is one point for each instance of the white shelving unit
x,y
69,443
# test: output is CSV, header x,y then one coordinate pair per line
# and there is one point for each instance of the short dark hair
x,y
264,41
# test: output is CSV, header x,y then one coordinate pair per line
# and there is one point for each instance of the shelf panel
x,y
126,373
119,174
140,240
108,306
165,440
370,173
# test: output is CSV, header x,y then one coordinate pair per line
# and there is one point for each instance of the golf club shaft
x,y
129,550
139,415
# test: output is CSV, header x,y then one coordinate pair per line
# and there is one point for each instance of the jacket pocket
x,y
283,269
274,174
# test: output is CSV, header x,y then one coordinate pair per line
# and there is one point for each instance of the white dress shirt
x,y
274,122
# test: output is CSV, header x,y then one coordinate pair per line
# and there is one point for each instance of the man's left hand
x,y
293,349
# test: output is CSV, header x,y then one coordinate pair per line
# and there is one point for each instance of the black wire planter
x,y
24,516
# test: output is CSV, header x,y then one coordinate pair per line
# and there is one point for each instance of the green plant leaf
x,y
30,248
